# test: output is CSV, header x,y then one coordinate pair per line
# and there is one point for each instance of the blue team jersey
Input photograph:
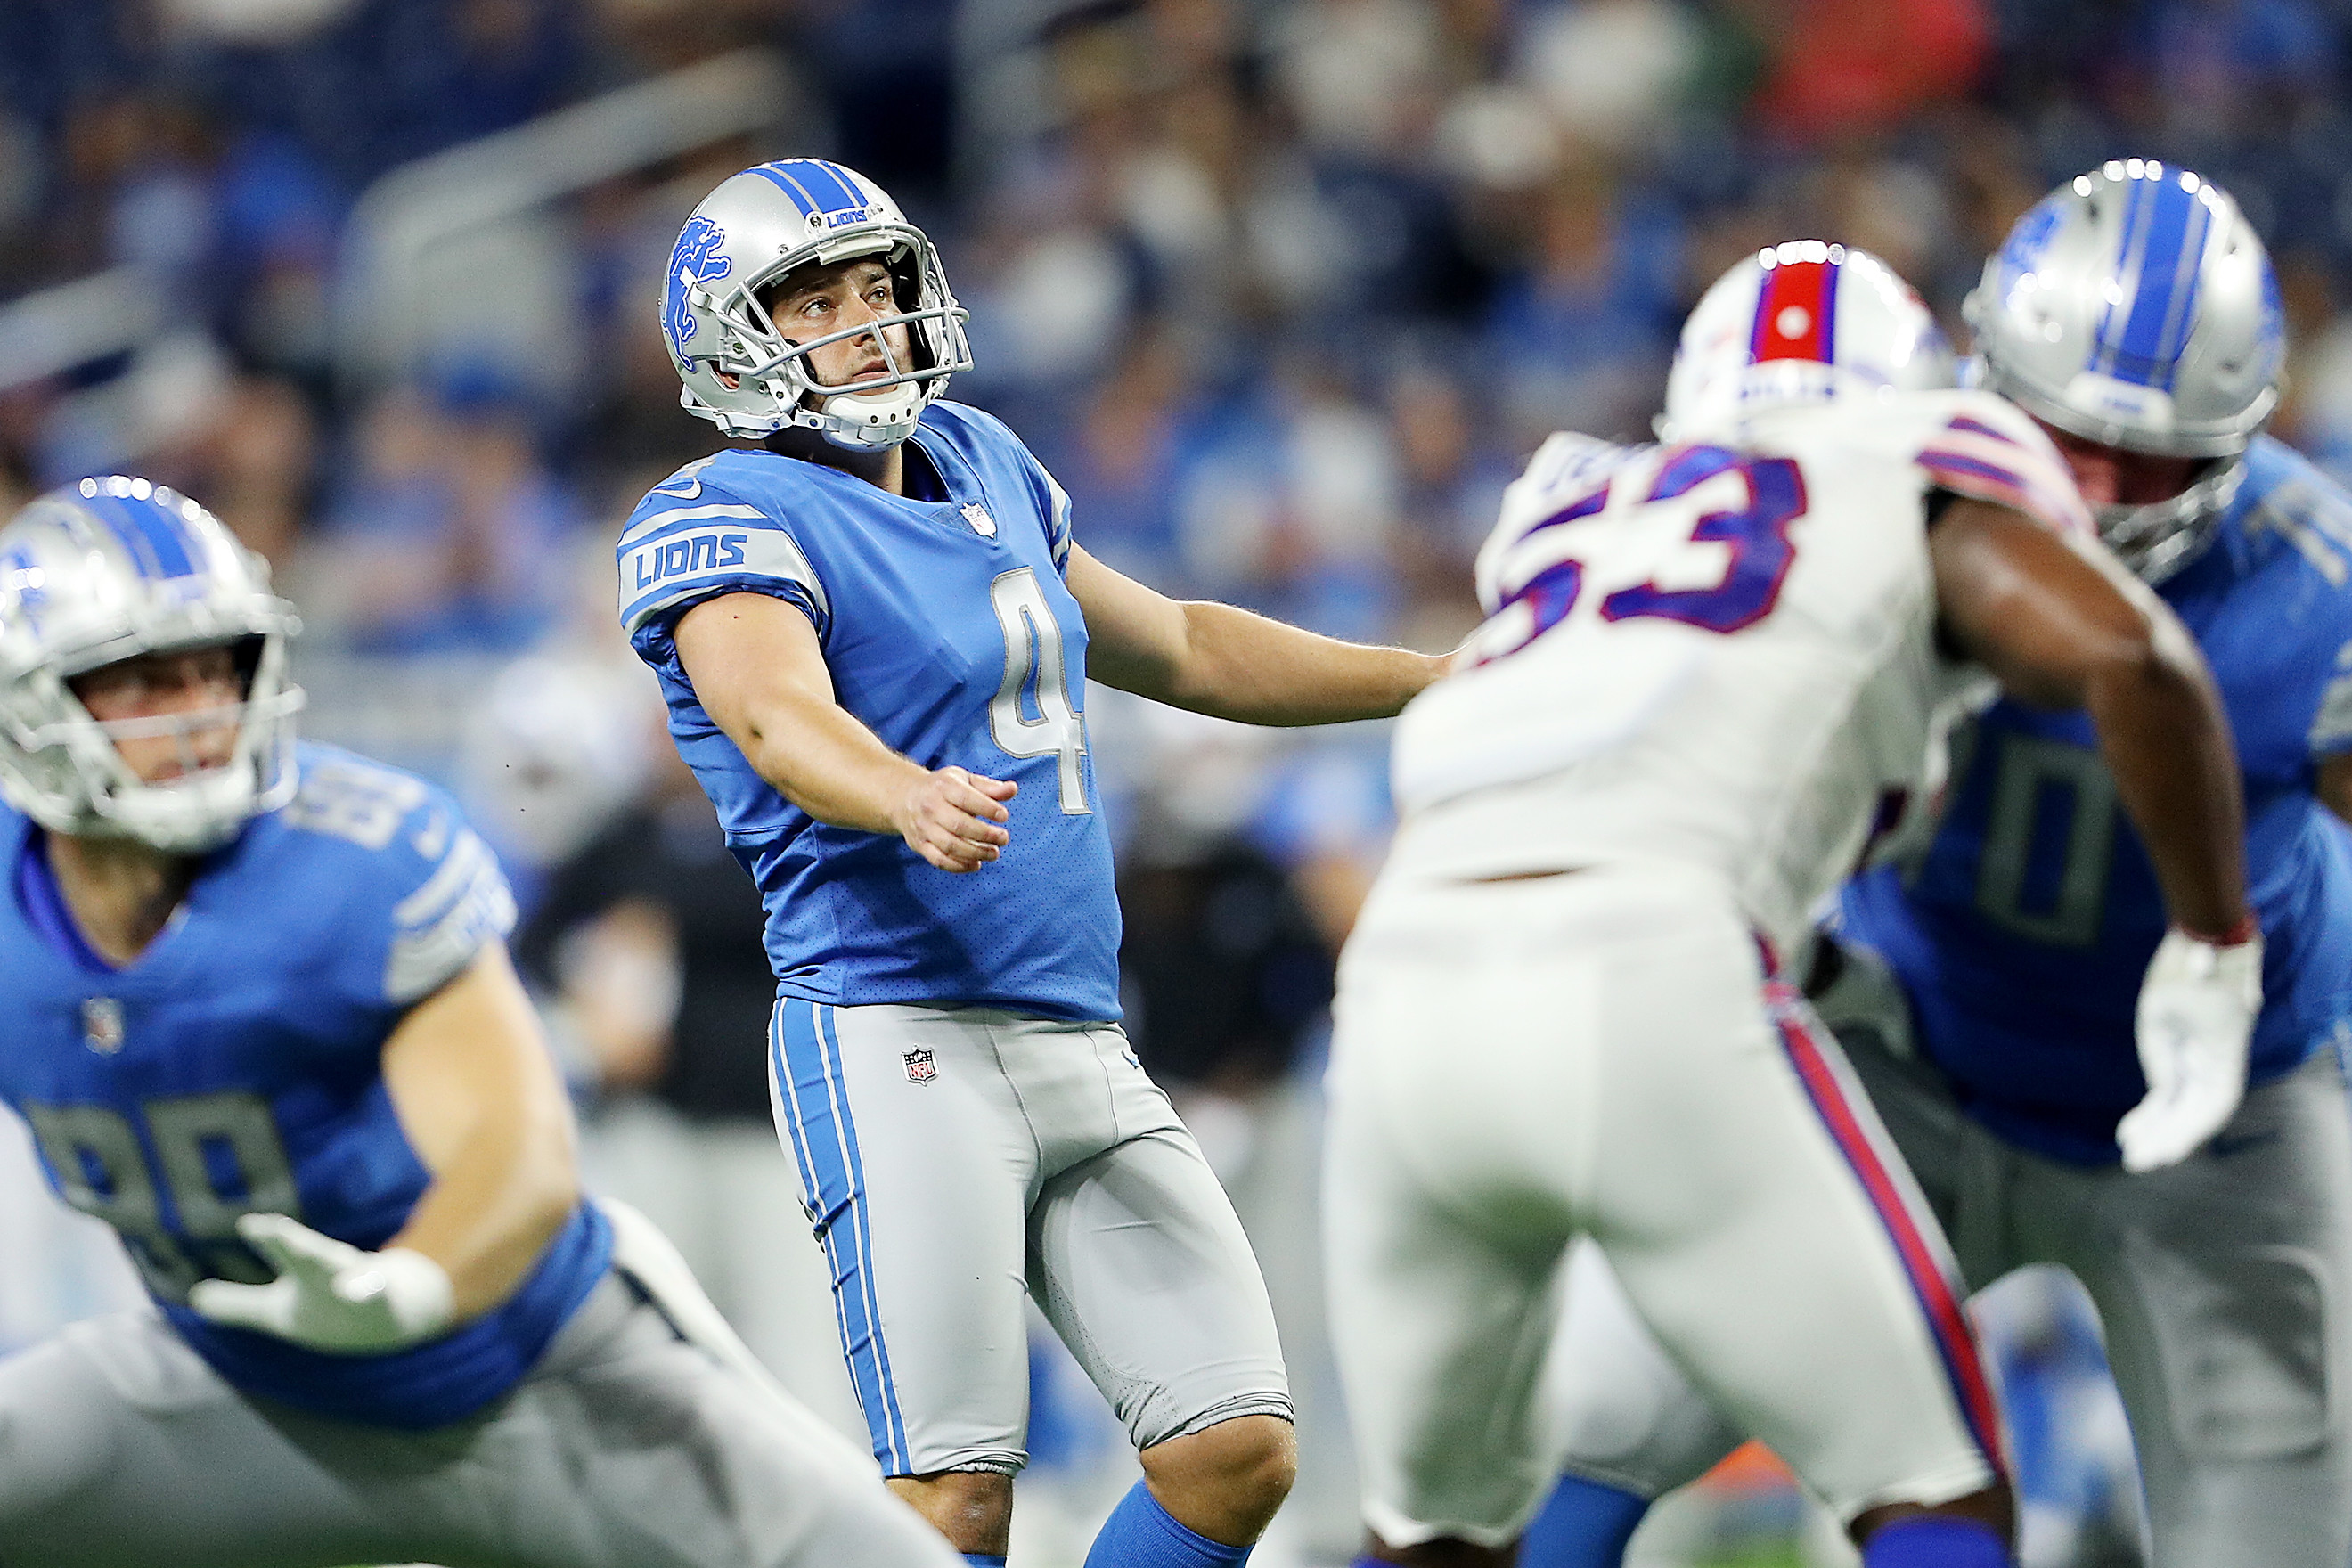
x,y
2024,932
949,633
235,1066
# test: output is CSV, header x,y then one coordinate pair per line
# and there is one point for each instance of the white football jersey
x,y
1712,653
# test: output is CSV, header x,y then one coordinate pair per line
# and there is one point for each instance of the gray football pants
x,y
2220,1283
624,1448
962,1161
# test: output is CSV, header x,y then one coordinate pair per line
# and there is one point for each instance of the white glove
x,y
329,1295
2197,1008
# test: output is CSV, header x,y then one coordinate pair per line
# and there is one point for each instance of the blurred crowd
x,y
1283,291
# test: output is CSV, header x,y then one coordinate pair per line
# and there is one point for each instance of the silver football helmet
x,y
2134,307
105,569
745,376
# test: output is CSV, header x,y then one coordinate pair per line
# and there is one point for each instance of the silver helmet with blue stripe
x,y
2134,307
744,375
113,568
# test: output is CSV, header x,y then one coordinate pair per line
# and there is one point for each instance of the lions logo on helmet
x,y
110,568
689,268
2136,308
751,233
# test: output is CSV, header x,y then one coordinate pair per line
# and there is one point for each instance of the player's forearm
x,y
488,1215
2166,742
2064,626
1237,665
819,757
481,1105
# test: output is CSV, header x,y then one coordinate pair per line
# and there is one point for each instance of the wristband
x,y
2248,927
413,1290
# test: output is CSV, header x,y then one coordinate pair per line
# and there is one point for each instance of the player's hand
x,y
2197,1009
329,1295
955,819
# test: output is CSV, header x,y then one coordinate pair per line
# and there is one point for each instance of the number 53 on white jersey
x,y
1713,653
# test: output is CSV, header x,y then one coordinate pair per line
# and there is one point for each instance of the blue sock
x,y
1364,1561
1936,1540
1139,1533
1584,1525
982,1560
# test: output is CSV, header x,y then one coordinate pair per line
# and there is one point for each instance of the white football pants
x,y
2220,1284
1518,1063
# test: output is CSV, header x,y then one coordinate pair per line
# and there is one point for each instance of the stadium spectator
x,y
1223,227
443,535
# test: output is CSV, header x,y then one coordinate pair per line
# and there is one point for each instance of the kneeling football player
x,y
260,1018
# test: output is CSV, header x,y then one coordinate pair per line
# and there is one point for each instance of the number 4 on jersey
x,y
1035,668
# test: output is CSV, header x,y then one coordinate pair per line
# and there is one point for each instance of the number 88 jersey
x,y
948,631
1711,654
236,1067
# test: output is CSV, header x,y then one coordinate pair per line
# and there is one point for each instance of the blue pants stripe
x,y
862,1211
788,1113
824,1139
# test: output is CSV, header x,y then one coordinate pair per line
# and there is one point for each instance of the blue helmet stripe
x,y
2126,277
180,533
2166,285
134,543
2171,225
146,534
851,197
774,175
813,185
2188,277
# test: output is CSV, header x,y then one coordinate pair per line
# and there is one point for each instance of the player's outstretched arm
x,y
2063,627
479,1100
759,672
1216,658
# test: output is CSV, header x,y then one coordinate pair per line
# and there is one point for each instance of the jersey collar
x,y
44,903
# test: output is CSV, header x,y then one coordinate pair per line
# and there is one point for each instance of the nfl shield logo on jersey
x,y
920,1068
982,523
101,1025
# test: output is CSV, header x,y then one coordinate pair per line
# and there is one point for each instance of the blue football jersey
x,y
949,633
2023,931
235,1066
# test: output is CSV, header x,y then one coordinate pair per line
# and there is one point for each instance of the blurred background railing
x,y
421,238
1282,290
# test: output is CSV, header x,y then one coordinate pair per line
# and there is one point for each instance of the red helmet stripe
x,y
1793,312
